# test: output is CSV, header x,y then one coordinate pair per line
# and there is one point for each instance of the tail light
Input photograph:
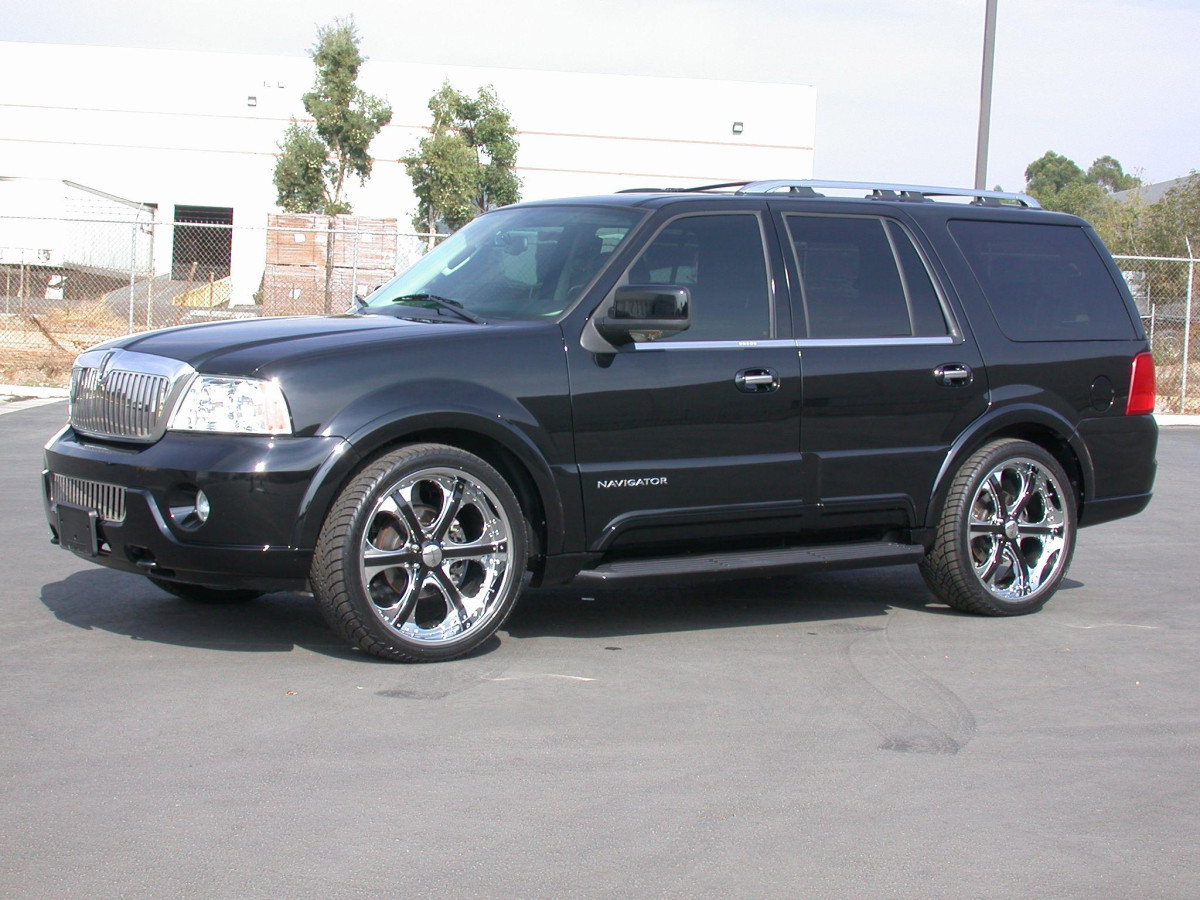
x,y
1141,386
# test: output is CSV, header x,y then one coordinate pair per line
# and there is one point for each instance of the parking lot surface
x,y
820,735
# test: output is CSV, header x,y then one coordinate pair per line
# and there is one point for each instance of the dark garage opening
x,y
203,237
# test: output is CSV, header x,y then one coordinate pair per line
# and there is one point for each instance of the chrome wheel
x,y
1018,529
436,556
422,556
1006,531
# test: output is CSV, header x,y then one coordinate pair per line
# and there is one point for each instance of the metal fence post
x,y
354,267
1187,328
150,278
132,269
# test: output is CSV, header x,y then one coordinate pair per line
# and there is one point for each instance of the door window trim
x,y
770,293
954,333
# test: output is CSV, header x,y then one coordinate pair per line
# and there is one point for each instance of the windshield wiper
x,y
441,303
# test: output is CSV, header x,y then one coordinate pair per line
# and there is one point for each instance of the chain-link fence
x,y
70,283
1163,288
67,284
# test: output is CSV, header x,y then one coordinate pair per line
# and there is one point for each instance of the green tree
x,y
1108,173
1173,222
1058,183
1121,225
1046,176
300,170
316,160
465,164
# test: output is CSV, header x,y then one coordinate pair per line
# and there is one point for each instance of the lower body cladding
x,y
196,508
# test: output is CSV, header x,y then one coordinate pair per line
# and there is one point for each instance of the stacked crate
x,y
364,256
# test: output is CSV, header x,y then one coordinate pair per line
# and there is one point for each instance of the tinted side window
x,y
927,316
1044,282
853,287
720,259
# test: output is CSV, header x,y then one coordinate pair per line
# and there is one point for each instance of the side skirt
x,y
834,556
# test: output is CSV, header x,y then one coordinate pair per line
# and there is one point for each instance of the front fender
x,y
476,413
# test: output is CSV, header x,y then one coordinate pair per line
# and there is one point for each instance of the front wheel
x,y
1007,532
421,556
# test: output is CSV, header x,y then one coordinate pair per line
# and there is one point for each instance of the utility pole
x,y
985,95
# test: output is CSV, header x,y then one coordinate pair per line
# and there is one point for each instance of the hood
x,y
245,346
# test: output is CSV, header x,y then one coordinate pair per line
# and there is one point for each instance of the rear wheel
x,y
1007,532
422,555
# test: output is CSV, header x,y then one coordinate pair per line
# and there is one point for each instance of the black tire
x,y
1006,534
200,593
422,555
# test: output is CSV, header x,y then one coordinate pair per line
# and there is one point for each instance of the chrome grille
x,y
126,405
123,395
107,499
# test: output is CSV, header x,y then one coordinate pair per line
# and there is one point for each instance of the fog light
x,y
202,507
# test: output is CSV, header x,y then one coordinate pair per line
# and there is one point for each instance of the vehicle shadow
x,y
609,611
125,604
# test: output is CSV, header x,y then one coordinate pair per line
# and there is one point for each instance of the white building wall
x,y
170,127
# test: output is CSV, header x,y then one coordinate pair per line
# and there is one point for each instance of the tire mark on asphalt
x,y
439,682
912,711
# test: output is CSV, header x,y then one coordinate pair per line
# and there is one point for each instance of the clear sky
x,y
897,80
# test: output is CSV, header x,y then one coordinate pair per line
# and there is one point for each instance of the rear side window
x,y
863,278
1044,282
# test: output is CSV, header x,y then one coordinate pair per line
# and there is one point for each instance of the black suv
x,y
668,384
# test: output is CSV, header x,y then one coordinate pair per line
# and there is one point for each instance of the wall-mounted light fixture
x,y
737,127
252,101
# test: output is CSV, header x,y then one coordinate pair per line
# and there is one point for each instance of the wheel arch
x,y
1036,425
500,445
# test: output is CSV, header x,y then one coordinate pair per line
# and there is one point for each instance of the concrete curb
x,y
25,392
1170,420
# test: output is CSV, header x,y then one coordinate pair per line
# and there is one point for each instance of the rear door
x,y
890,376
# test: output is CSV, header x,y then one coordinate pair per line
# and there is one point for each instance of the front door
x,y
695,436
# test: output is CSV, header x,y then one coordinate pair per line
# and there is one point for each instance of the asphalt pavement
x,y
821,735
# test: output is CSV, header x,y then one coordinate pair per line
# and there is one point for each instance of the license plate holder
x,y
77,529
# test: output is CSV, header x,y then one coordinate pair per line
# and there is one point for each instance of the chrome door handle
x,y
953,374
756,381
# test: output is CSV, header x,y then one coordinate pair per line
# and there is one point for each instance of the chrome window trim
x,y
800,344
883,220
772,344
897,341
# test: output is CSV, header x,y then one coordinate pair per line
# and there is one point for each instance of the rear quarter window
x,y
1044,282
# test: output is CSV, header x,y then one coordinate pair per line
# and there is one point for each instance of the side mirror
x,y
646,312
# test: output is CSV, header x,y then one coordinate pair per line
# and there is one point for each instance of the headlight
x,y
233,406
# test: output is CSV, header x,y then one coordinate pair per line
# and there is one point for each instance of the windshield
x,y
528,263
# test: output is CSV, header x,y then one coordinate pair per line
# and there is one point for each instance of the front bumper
x,y
260,489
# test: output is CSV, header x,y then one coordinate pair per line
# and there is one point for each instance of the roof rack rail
x,y
684,190
810,187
